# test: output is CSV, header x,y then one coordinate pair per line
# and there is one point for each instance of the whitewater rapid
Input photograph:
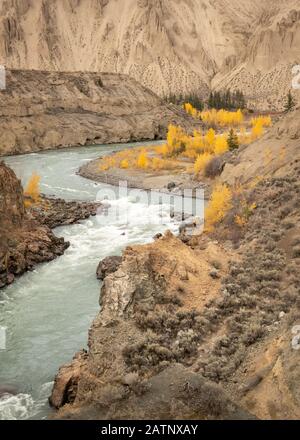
x,y
47,312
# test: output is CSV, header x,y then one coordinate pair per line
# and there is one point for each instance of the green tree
x,y
227,100
232,140
290,102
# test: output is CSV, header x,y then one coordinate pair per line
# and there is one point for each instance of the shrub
x,y
221,145
176,140
142,161
232,140
32,190
201,162
219,204
214,167
216,264
222,118
296,251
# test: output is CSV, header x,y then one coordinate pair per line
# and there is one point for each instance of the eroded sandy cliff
x,y
44,110
170,46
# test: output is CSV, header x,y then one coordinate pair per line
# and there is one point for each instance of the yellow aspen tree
x,y
220,203
257,130
32,190
221,145
210,137
142,161
201,162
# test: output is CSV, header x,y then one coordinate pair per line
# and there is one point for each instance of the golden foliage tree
x,y
210,137
143,161
221,145
201,162
32,191
220,203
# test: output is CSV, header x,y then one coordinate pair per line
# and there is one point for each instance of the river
x,y
47,312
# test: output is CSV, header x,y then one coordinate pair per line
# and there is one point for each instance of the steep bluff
x,y
47,110
170,46
23,241
12,210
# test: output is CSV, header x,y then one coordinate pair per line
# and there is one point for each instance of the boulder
x,y
66,381
107,266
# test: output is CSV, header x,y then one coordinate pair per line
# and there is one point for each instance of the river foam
x,y
47,312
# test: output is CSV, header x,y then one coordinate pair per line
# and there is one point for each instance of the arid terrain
x,y
44,110
169,46
198,318
207,319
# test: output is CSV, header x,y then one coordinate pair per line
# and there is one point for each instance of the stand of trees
x,y
290,102
226,100
191,98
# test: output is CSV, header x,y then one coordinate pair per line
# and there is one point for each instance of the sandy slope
x,y
182,323
48,110
276,154
169,46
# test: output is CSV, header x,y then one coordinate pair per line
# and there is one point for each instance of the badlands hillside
x,y
47,110
169,46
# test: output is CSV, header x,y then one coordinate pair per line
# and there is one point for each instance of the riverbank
x,y
53,110
216,312
165,180
26,236
55,212
47,311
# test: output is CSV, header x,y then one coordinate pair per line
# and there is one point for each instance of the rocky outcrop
x,y
25,235
146,325
12,210
54,212
23,241
173,392
107,266
66,381
44,110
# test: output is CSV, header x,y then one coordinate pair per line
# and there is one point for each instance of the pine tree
x,y
290,103
211,100
218,100
232,141
228,103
